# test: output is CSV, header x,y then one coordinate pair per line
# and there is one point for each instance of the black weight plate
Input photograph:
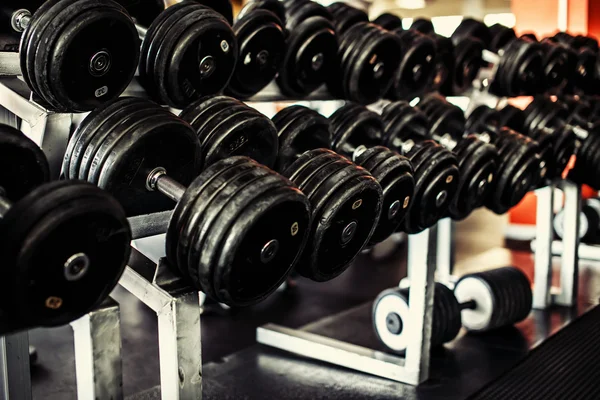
x,y
347,196
471,27
304,161
358,40
389,21
247,134
320,176
346,16
206,126
303,10
468,61
245,279
223,7
261,41
199,256
417,65
359,127
105,139
153,39
175,237
585,70
501,36
320,162
312,37
347,43
95,129
423,25
275,6
95,33
161,141
199,114
198,221
300,135
51,224
84,132
185,77
373,71
23,165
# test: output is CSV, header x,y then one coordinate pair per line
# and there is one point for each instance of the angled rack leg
x,y
542,281
15,378
444,252
569,268
98,363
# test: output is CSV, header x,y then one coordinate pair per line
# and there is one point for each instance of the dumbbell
x,y
312,48
261,39
369,56
346,199
481,302
585,77
545,114
520,166
435,168
275,6
388,21
356,134
519,63
226,127
346,16
500,37
237,229
477,159
188,51
423,25
589,222
64,245
74,54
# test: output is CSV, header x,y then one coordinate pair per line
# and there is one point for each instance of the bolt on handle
x,y
158,180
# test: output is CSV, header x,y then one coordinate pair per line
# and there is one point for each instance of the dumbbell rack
x,y
178,306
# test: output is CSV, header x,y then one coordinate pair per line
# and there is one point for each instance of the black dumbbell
x,y
501,37
75,54
312,48
477,159
417,65
261,40
64,244
369,57
519,64
435,168
560,64
481,302
356,134
388,21
237,229
345,16
227,127
584,79
423,25
443,78
545,114
520,167
275,6
346,199
188,51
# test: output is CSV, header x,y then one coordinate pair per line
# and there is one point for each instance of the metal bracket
x,y
413,369
177,307
10,64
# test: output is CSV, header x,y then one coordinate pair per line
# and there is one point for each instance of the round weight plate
x,y
261,46
275,6
416,67
94,59
346,16
468,61
23,165
423,25
388,21
390,312
501,36
223,7
358,127
469,288
69,219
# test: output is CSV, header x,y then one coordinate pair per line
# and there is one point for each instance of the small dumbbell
x,y
64,245
237,229
346,199
369,57
519,64
75,54
435,168
520,167
227,127
311,55
188,51
261,40
481,302
477,159
356,133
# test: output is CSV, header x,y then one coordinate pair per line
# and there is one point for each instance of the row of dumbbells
x,y
76,55
480,302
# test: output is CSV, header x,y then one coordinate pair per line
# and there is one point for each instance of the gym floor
x,y
479,245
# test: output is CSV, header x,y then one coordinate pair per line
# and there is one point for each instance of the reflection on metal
x,y
413,369
98,365
569,268
10,64
444,251
543,257
15,378
178,310
143,226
